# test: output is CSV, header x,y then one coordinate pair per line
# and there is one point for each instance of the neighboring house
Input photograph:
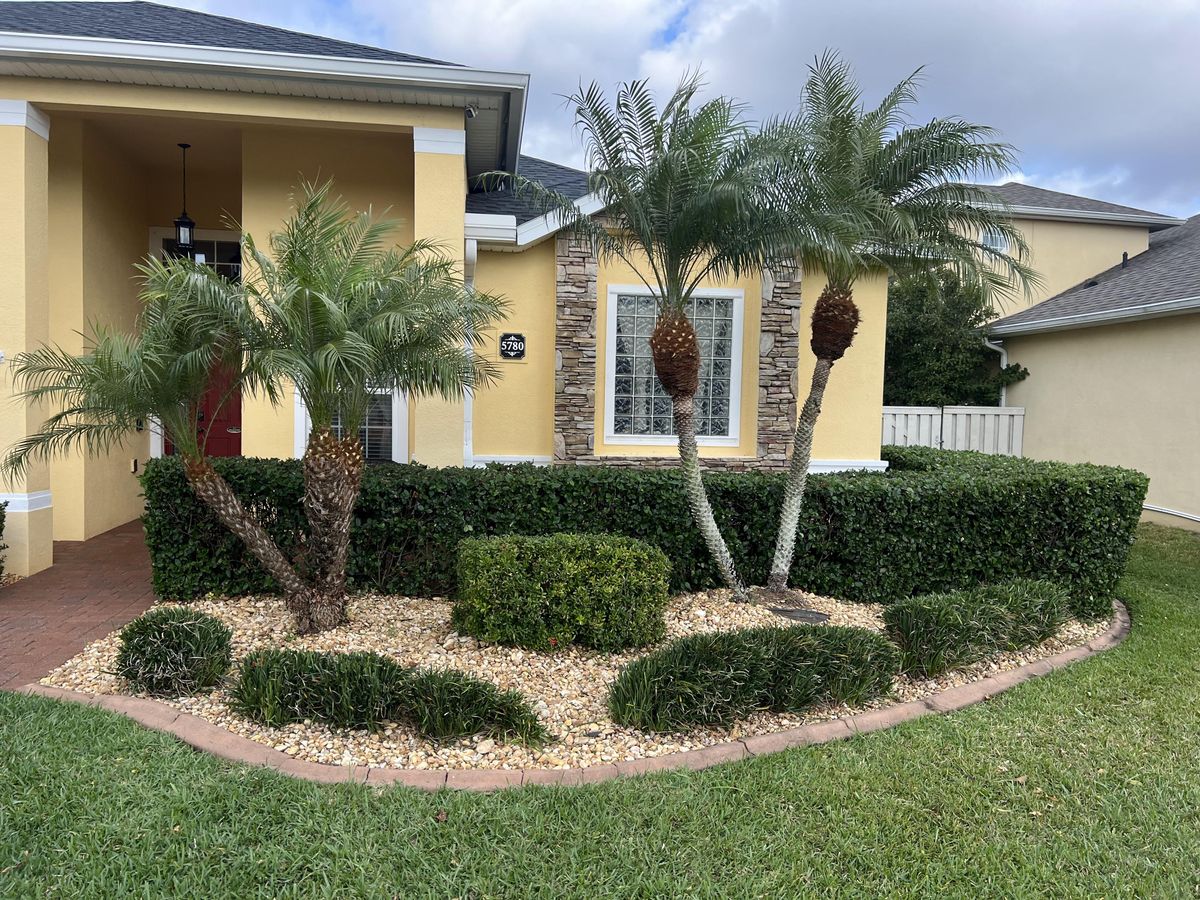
x,y
1071,238
1115,371
94,98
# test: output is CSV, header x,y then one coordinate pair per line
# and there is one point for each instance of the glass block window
x,y
376,431
640,405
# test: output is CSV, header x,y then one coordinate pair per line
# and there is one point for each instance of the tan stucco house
x,y
95,98
1115,370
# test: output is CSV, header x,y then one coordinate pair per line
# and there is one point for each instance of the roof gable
x,y
1162,280
137,20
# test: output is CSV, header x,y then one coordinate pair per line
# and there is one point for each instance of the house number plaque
x,y
512,346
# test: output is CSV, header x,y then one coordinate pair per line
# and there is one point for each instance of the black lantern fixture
x,y
185,228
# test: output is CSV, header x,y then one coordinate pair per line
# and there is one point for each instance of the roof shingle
x,y
137,20
504,202
1169,270
1014,193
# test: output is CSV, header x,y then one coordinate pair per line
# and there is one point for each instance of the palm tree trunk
x,y
702,514
332,481
793,492
215,492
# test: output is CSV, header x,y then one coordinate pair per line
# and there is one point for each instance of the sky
x,y
1099,97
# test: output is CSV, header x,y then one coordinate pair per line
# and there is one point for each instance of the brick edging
x,y
204,735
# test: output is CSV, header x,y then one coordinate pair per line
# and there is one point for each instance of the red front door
x,y
219,424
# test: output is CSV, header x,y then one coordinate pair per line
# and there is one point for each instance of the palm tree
x,y
344,316
689,195
908,187
334,310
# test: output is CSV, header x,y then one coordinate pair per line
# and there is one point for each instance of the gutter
x,y
501,232
1003,351
1134,313
1150,220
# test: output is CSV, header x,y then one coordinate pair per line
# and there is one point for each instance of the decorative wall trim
x,y
26,503
1162,510
26,115
576,372
450,141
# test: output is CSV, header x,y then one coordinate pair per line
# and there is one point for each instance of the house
x,y
1115,370
1070,238
95,98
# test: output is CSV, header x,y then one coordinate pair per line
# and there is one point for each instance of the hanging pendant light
x,y
185,228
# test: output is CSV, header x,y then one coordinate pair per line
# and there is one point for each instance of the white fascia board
x,y
90,50
26,503
1080,215
1135,313
25,115
491,229
542,227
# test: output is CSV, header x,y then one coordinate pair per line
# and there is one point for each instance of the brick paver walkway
x,y
93,587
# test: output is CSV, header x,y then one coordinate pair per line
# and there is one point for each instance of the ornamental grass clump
x,y
716,679
173,651
365,690
937,632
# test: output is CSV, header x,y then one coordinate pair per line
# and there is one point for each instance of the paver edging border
x,y
206,736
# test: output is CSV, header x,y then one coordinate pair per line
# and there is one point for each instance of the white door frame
x,y
157,236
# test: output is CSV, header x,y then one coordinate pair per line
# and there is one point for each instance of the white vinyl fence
x,y
990,429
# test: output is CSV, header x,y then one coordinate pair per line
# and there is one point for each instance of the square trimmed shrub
x,y
173,651
936,632
714,679
602,591
937,520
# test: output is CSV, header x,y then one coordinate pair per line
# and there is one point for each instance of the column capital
x,y
451,141
25,114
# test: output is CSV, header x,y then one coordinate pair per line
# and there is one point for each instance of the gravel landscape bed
x,y
568,688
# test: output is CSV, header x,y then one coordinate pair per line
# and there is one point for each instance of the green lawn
x,y
1084,783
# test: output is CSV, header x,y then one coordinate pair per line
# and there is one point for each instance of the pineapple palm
x,y
689,194
906,187
332,309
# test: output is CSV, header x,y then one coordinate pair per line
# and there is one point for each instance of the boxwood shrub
x,y
174,651
941,520
364,690
718,678
606,592
936,632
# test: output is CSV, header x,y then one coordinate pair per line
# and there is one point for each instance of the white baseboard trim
x,y
1191,517
478,461
26,503
824,466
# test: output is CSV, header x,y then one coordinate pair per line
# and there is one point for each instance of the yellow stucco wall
x,y
515,416
369,170
848,428
24,324
1066,253
1121,395
98,232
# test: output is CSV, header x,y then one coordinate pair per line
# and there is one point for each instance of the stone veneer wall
x,y
575,369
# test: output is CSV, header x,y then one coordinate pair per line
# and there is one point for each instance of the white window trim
x,y
157,236
302,425
994,240
732,439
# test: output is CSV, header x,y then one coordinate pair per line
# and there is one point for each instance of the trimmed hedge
x,y
364,690
174,651
964,519
718,678
602,591
937,632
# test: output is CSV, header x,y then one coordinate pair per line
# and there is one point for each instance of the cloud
x,y
1097,95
